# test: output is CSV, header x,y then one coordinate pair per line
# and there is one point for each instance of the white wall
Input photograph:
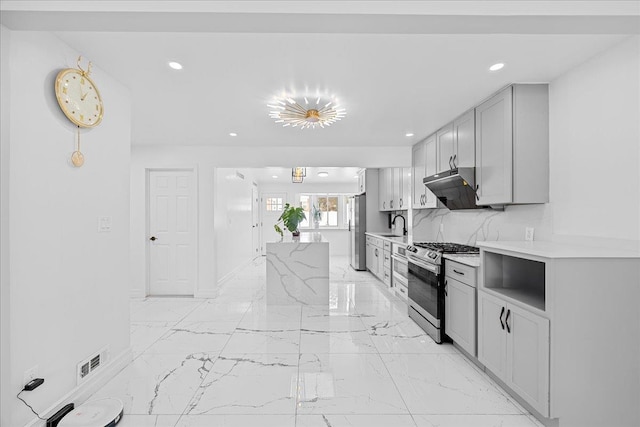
x,y
233,220
223,247
5,294
594,164
595,146
68,283
141,162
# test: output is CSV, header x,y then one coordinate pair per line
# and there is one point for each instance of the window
x,y
274,204
331,210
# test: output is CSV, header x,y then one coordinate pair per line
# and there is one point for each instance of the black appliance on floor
x,y
426,284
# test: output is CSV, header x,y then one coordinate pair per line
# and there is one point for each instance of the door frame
x,y
147,191
258,215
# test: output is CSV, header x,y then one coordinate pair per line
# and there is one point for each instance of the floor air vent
x,y
90,364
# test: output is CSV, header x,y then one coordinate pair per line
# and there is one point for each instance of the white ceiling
x,y
391,83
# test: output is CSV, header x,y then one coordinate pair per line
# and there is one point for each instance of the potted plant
x,y
291,217
316,213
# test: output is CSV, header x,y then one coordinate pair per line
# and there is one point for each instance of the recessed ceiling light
x,y
274,176
323,174
408,134
175,65
233,134
496,67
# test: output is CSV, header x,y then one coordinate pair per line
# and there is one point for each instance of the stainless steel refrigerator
x,y
357,227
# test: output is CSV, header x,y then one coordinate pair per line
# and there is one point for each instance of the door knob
x,y
153,238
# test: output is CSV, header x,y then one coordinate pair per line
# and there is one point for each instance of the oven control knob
x,y
412,249
433,255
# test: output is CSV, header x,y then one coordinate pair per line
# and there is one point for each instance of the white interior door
x,y
172,232
271,209
255,218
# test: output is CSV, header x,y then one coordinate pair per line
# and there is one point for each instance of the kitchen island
x,y
298,270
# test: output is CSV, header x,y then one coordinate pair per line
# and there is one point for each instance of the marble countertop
x,y
386,236
305,237
546,249
472,260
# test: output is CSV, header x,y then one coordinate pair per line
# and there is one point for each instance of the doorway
x,y
172,232
271,209
255,220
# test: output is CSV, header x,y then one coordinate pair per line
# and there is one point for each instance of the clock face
x,y
79,98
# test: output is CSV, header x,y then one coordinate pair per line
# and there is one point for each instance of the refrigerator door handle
x,y
349,225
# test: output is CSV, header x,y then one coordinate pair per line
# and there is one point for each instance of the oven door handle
x,y
432,268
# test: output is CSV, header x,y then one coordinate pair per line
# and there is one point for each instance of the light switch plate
x,y
528,234
104,224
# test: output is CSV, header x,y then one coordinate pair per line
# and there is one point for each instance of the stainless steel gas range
x,y
426,284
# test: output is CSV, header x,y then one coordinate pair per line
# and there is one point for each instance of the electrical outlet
x,y
528,234
30,374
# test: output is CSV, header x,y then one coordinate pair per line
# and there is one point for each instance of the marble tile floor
x,y
233,361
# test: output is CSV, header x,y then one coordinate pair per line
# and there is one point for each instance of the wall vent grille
x,y
91,364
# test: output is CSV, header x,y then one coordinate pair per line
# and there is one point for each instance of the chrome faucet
x,y
404,224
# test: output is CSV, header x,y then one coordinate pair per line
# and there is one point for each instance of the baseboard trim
x,y
235,271
82,392
207,293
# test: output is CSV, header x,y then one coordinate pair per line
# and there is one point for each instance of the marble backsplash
x,y
470,226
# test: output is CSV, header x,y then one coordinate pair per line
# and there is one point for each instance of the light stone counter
x,y
298,270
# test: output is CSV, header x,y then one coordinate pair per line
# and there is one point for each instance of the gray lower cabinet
x,y
370,258
460,314
513,343
460,305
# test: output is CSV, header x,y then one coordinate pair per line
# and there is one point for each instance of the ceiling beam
x,y
330,17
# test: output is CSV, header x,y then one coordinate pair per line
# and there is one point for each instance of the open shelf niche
x,y
520,279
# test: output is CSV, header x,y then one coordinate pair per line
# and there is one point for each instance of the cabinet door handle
x,y
458,272
153,238
506,321
450,158
384,205
401,202
446,285
502,314
454,161
391,204
377,255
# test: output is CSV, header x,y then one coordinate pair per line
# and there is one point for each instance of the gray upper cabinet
x,y
424,163
396,185
464,133
362,182
406,188
431,161
418,167
512,146
445,148
383,189
393,189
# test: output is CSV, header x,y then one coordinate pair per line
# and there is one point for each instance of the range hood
x,y
454,188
